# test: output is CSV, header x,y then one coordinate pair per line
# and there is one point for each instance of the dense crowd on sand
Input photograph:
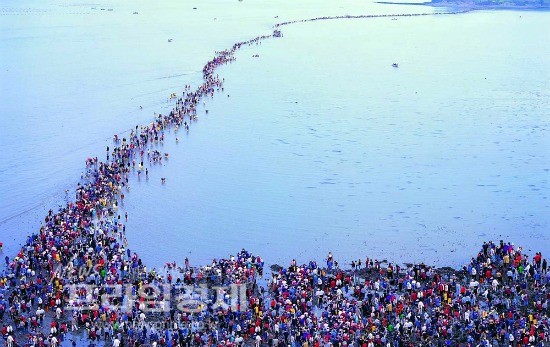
x,y
77,277
499,299
53,290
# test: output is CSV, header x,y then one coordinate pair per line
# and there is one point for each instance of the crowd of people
x,y
56,288
499,299
365,16
56,283
77,277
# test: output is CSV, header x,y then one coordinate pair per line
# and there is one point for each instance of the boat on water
x,y
395,65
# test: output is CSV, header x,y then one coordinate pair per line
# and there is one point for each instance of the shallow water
x,y
72,75
321,146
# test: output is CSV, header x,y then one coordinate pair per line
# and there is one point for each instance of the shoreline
x,y
466,6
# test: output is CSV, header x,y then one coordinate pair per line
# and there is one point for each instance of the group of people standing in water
x,y
77,274
45,290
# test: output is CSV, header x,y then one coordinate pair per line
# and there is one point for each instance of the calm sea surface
x,y
317,145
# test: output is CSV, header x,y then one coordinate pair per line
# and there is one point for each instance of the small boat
x,y
135,13
169,40
395,65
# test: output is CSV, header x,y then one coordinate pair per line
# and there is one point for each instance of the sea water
x,y
316,145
